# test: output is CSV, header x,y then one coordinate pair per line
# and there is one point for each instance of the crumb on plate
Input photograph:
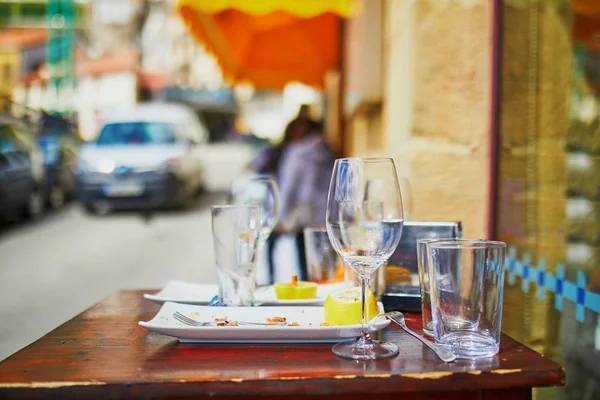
x,y
227,323
276,319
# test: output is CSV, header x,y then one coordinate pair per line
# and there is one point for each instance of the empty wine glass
x,y
364,223
261,191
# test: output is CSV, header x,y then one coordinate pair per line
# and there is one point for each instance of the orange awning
x,y
586,23
587,8
270,42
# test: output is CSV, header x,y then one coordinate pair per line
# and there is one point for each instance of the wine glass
x,y
364,223
261,191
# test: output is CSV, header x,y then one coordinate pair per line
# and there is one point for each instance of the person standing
x,y
302,164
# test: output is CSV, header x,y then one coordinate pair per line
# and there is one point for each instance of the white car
x,y
150,157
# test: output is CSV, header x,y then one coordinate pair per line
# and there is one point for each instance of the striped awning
x,y
270,42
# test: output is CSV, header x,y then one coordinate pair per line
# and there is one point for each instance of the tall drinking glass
x,y
261,191
323,263
424,285
467,285
364,222
236,231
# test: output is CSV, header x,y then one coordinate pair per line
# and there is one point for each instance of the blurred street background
x,y
123,121
49,269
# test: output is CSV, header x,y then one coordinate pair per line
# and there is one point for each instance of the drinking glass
x,y
236,232
261,191
364,222
423,266
324,265
467,285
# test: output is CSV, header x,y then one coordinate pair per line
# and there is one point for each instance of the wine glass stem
x,y
364,283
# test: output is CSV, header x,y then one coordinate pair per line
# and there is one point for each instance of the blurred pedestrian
x,y
302,165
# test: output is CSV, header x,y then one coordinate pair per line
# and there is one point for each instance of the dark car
x,y
21,172
59,145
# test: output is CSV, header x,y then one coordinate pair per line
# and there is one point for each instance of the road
x,y
53,269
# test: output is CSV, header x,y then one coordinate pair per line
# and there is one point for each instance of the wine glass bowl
x,y
364,223
261,191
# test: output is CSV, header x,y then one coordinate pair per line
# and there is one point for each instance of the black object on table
x,y
406,296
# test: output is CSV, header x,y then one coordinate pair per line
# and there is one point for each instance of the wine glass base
x,y
365,350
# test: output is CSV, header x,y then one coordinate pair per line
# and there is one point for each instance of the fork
x,y
192,322
398,318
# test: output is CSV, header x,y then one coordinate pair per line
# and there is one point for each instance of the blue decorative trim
x,y
580,299
558,284
525,267
563,289
541,278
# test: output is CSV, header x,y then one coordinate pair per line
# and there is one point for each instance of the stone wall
x,y
437,106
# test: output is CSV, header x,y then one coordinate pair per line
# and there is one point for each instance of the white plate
x,y
309,330
201,294
184,292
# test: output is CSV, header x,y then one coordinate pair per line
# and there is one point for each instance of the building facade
x,y
417,88
490,109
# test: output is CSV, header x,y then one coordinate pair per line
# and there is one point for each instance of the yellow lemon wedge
x,y
342,307
296,290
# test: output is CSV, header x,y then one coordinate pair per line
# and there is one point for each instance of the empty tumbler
x,y
467,283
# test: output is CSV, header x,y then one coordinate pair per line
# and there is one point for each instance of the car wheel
x,y
35,205
57,196
89,210
102,208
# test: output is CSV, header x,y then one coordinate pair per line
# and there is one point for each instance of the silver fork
x,y
398,318
192,322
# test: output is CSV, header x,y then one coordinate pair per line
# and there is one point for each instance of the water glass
x,y
236,232
467,285
424,286
323,263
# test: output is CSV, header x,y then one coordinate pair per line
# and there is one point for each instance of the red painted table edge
x,y
378,383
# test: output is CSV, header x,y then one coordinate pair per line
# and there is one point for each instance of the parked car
x,y
21,172
149,157
59,144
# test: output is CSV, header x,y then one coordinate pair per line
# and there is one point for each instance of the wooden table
x,y
104,354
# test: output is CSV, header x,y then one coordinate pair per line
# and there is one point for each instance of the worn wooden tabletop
x,y
103,353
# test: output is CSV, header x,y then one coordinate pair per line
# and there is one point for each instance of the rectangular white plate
x,y
201,294
309,331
